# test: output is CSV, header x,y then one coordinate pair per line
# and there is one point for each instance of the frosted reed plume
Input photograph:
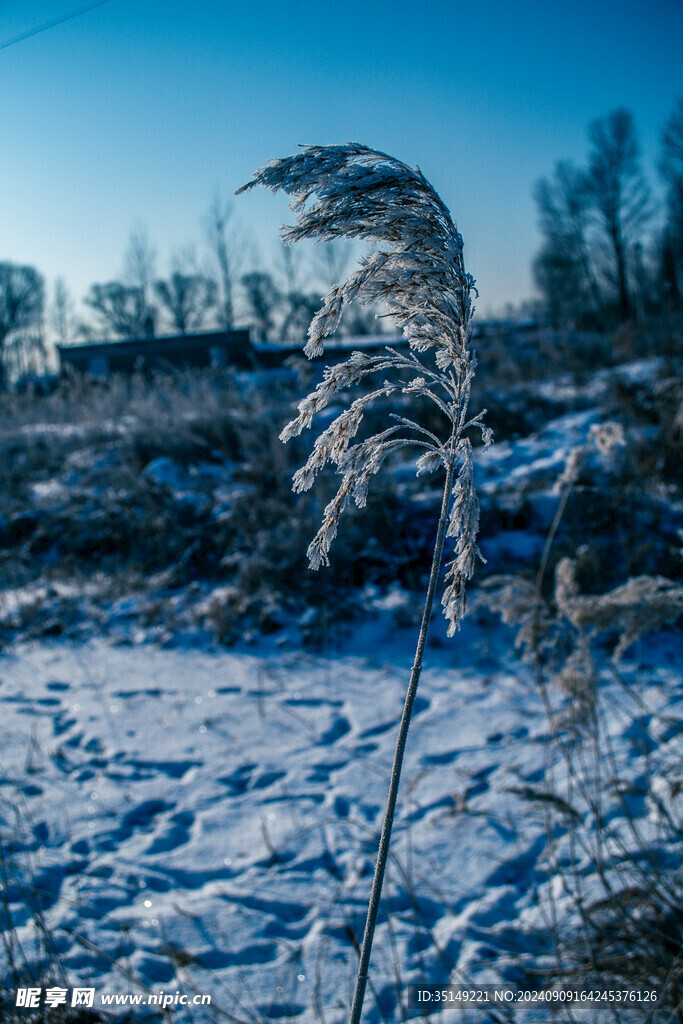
x,y
642,604
416,270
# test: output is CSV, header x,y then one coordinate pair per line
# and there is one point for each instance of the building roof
x,y
216,347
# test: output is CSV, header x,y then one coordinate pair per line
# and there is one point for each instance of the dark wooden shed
x,y
218,348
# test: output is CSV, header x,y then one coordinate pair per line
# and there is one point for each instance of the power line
x,y
51,24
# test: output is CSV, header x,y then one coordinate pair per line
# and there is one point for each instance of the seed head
x,y
416,269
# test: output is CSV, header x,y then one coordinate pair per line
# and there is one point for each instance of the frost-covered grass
x,y
180,504
151,508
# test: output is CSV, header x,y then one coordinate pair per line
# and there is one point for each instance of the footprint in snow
x,y
340,727
140,817
267,779
174,834
238,781
174,769
447,757
61,722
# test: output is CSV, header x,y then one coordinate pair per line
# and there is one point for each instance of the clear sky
x,y
138,111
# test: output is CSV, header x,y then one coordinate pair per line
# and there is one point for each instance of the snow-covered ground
x,y
200,821
177,817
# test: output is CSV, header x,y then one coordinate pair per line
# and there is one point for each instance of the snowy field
x,y
177,817
205,822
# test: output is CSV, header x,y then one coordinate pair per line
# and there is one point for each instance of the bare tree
x,y
672,141
118,307
289,267
27,354
139,273
297,305
186,297
263,299
22,300
125,307
62,313
619,197
331,261
564,269
299,309
226,251
556,277
671,169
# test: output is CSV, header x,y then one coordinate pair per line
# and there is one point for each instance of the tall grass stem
x,y
388,821
416,270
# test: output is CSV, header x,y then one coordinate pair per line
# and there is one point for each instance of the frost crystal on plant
x,y
416,269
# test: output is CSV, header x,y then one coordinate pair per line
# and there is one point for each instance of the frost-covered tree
x,y
416,268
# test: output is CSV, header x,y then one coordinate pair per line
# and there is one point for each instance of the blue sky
x,y
137,112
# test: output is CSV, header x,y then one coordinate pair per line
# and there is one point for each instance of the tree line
x,y
214,293
609,254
